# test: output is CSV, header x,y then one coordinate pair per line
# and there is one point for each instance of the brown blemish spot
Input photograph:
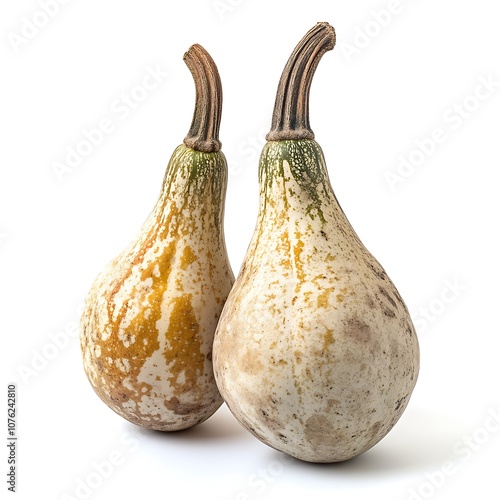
x,y
173,404
380,273
250,362
400,402
357,330
318,432
298,357
390,313
280,361
269,421
388,297
370,302
374,429
298,387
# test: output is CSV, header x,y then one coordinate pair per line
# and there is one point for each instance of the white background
x,y
435,231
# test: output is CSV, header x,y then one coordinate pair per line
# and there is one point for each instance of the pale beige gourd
x,y
315,352
149,319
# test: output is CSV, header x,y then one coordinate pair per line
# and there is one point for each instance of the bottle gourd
x,y
149,320
315,352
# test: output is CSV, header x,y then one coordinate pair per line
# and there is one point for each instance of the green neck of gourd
x,y
292,172
293,178
194,186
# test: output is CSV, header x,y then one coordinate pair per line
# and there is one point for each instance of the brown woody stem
x,y
204,132
291,109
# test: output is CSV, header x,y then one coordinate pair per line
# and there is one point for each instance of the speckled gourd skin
x,y
149,320
315,352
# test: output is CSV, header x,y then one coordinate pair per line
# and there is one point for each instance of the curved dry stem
x,y
291,109
204,132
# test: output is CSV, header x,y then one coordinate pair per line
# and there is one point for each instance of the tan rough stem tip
x,y
291,109
204,132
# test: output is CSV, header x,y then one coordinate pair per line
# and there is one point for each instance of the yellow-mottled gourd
x,y
315,352
149,320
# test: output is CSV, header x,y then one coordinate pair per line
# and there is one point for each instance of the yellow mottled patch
x,y
124,310
318,277
283,248
322,300
184,353
297,253
341,296
188,257
141,327
328,339
272,309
